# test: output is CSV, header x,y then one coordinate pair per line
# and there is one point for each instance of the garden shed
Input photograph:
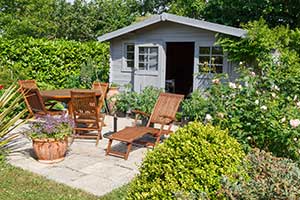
x,y
167,51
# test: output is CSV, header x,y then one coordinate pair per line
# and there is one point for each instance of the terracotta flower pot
x,y
113,91
50,150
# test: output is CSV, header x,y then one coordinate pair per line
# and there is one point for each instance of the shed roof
x,y
228,30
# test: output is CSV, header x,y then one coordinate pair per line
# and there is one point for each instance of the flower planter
x,y
113,91
50,150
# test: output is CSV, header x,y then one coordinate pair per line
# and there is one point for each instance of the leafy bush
x,y
53,63
269,177
188,164
261,108
144,101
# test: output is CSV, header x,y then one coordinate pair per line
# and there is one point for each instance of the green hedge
x,y
188,165
53,63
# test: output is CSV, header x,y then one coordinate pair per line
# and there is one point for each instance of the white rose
x,y
294,123
263,107
208,117
232,85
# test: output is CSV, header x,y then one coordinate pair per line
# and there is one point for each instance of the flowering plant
x,y
46,127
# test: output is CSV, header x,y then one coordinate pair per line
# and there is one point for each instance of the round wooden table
x,y
64,95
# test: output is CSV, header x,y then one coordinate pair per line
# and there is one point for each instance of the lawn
x,y
19,184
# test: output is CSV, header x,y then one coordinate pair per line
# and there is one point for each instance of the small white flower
x,y
221,115
257,92
216,81
275,87
246,84
252,74
283,120
273,95
232,85
295,97
240,87
256,101
241,63
298,104
295,139
294,123
263,107
248,138
208,117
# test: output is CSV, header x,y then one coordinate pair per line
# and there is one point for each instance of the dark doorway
x,y
180,67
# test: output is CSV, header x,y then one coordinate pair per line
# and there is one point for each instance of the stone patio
x,y
85,167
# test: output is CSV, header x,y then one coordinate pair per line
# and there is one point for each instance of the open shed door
x,y
148,66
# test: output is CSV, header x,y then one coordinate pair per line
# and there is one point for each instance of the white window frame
x,y
210,58
159,64
124,57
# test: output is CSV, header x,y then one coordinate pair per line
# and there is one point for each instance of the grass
x,y
19,184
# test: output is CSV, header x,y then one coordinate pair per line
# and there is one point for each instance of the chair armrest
x,y
140,112
168,117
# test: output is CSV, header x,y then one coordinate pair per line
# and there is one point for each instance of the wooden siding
x,y
159,33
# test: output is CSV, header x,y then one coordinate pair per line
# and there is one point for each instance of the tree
x,y
239,12
189,8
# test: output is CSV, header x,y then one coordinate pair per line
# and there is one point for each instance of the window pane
x,y
130,63
217,60
154,51
217,50
130,56
142,50
142,58
130,47
204,50
219,69
141,66
204,59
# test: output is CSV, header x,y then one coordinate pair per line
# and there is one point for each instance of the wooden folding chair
x,y
34,100
164,113
103,87
87,115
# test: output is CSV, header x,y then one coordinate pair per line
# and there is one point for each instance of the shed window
x,y
129,55
211,59
148,58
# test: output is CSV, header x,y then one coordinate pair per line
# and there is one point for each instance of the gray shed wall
x,y
159,33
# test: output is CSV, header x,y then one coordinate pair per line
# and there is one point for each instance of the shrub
x,y
144,101
53,62
188,164
269,177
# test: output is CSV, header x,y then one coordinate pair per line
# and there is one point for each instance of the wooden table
x,y
64,95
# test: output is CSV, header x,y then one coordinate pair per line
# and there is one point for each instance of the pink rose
x,y
294,123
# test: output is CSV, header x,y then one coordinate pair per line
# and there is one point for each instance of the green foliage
x,y
188,164
81,20
144,101
194,107
54,63
10,101
235,13
189,8
269,177
261,109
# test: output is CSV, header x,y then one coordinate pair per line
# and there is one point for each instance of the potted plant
x,y
49,136
111,94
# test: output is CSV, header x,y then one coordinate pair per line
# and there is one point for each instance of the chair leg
x,y
108,147
128,150
157,140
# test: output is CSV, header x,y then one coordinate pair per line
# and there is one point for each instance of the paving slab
x,y
86,166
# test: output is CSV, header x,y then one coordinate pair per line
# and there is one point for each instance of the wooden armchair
x,y
34,100
87,115
103,87
163,114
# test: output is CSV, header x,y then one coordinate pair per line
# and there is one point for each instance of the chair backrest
x,y
166,105
32,97
28,84
101,86
84,104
